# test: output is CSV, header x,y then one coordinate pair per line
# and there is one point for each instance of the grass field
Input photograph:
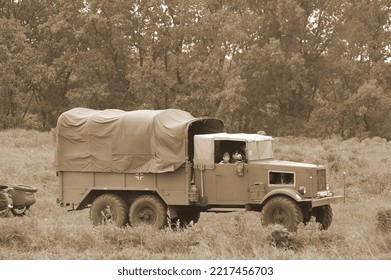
x,y
361,227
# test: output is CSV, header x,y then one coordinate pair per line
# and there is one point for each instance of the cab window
x,y
281,178
223,146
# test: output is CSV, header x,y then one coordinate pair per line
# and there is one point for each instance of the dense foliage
x,y
313,67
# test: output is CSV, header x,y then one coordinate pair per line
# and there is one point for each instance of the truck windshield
x,y
259,150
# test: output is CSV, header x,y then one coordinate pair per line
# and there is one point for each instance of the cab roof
x,y
245,137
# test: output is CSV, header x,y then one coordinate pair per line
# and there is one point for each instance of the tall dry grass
x,y
360,228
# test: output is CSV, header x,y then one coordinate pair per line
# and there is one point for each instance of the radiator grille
x,y
321,174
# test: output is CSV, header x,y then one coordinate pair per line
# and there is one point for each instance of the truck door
x,y
231,185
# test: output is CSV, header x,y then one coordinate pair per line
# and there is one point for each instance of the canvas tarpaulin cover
x,y
120,141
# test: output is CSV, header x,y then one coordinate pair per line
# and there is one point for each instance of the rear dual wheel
x,y
148,210
144,210
109,209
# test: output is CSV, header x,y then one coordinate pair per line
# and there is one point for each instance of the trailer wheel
x,y
20,211
148,210
282,210
323,215
4,201
109,209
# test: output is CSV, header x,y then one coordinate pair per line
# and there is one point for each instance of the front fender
x,y
292,193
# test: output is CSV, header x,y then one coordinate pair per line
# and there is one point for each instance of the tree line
x,y
297,67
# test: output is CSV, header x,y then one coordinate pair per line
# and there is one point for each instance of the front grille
x,y
321,174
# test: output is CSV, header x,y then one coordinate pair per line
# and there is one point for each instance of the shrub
x,y
15,235
375,183
383,220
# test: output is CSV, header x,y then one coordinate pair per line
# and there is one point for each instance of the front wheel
x,y
323,215
109,209
148,210
283,211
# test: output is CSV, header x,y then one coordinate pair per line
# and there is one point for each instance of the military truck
x,y
154,167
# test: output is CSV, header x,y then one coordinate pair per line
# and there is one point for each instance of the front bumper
x,y
315,202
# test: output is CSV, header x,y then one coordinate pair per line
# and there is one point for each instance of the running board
x,y
225,210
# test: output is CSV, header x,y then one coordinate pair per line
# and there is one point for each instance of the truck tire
x,y
109,209
4,202
20,211
282,210
323,215
148,210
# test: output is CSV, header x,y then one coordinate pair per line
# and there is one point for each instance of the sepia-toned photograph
x,y
195,130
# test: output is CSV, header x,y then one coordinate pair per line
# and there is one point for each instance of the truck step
x,y
225,210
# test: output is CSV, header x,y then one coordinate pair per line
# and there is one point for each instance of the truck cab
x,y
229,183
255,179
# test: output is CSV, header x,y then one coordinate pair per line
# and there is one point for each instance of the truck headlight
x,y
302,190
